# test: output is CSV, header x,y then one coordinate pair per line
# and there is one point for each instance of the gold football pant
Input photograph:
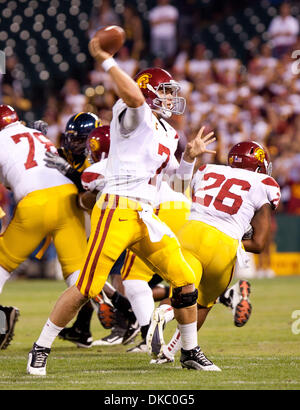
x,y
51,211
116,226
173,214
212,256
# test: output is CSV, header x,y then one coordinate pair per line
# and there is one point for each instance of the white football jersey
x,y
93,178
137,160
227,198
22,165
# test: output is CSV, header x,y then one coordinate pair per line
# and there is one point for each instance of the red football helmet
x,y
7,116
98,143
251,156
161,91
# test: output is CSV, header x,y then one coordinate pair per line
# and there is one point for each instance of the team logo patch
x,y
259,154
95,145
143,80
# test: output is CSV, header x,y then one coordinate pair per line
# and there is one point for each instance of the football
x,y
249,233
111,38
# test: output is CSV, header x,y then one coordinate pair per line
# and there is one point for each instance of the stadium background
x,y
223,60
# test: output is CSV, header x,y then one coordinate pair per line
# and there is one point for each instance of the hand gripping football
x,y
111,38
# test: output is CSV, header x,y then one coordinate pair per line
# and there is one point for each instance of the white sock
x,y
48,334
189,339
71,279
175,343
4,276
140,297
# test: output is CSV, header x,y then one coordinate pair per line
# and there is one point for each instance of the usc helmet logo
x,y
259,154
94,144
143,80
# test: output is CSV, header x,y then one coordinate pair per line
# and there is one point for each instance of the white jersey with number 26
x,y
227,198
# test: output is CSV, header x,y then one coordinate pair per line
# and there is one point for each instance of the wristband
x,y
109,63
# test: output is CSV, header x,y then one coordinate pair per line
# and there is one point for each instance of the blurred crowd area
x,y
257,97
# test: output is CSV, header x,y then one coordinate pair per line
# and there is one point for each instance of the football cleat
x,y
114,338
37,360
155,338
131,332
74,335
162,359
140,348
105,311
10,316
196,359
237,298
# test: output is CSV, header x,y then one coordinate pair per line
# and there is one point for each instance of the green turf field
x,y
265,354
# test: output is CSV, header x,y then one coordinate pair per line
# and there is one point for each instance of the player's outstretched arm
x,y
126,87
195,148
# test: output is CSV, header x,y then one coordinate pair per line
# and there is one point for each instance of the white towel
x,y
156,228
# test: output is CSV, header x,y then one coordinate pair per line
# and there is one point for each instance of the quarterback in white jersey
x,y
141,146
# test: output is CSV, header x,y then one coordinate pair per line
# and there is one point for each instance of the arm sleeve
x,y
180,174
131,118
267,192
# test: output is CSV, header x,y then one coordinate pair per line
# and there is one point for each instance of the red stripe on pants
x,y
97,255
92,246
130,266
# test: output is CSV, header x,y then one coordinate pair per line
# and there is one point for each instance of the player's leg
x,y
110,235
200,245
116,310
162,315
69,237
136,275
166,258
22,236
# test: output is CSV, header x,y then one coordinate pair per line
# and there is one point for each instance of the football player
x,y
46,204
225,200
141,151
71,162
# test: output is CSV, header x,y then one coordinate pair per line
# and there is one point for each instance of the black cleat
x,y
74,335
114,338
131,332
8,318
196,359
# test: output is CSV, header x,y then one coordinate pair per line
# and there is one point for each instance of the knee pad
x,y
182,300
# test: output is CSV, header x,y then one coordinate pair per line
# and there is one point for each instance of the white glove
x,y
40,126
55,161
